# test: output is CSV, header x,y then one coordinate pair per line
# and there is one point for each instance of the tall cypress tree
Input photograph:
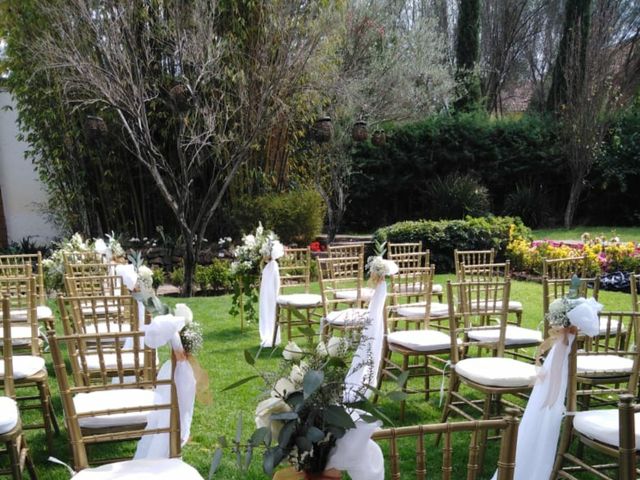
x,y
467,55
572,53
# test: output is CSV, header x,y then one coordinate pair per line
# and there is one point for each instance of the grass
x,y
223,359
629,234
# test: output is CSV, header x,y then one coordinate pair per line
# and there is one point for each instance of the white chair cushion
x,y
613,327
417,310
421,340
604,364
300,300
155,469
104,327
110,361
514,306
365,294
497,372
42,312
355,316
436,288
417,287
20,334
8,414
112,399
602,425
24,366
513,335
101,310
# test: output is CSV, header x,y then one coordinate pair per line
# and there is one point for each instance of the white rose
x,y
277,250
321,350
145,273
182,310
336,346
249,240
297,374
100,247
269,407
283,388
557,306
292,351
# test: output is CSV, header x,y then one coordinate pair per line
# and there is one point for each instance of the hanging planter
x,y
379,138
359,132
180,96
322,129
96,126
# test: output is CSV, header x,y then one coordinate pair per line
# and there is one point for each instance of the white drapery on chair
x,y
269,290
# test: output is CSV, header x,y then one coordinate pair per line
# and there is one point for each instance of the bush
x,y
444,236
201,277
456,196
158,277
296,216
177,276
529,202
219,276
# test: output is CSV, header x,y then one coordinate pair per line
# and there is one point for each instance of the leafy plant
x,y
456,196
158,277
530,203
177,276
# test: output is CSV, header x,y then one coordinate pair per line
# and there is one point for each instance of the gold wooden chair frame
x,y
33,263
508,426
355,249
409,257
495,376
95,286
634,281
577,425
13,439
295,274
86,269
472,257
81,417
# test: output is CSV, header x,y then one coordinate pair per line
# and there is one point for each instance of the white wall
x,y
21,189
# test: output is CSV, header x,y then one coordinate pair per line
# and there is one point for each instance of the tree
x,y
193,94
467,55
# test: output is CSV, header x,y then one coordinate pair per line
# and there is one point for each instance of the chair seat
x,y
421,340
365,294
24,366
411,288
8,414
514,306
604,364
497,372
42,312
602,426
20,334
105,327
154,469
101,309
513,335
111,361
354,316
112,399
613,327
417,310
300,300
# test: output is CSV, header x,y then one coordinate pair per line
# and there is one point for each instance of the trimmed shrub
x,y
219,276
177,276
444,236
456,196
158,277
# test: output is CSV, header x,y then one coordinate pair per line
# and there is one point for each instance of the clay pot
x,y
379,138
359,132
322,129
180,95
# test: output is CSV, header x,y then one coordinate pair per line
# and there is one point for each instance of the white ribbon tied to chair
x,y
269,291
162,330
540,425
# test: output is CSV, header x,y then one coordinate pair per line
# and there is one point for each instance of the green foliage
x,y
215,277
456,196
444,236
158,277
296,216
177,276
529,202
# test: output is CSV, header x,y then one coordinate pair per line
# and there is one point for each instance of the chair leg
x,y
454,384
482,444
28,461
276,326
427,377
403,403
565,442
45,405
13,451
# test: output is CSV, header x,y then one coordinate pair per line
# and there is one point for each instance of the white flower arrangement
x,y
263,244
379,268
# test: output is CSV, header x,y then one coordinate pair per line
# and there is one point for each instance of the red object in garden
x,y
317,247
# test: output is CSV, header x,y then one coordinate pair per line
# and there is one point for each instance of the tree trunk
x,y
189,261
4,240
572,205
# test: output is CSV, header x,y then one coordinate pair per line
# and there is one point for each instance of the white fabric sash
x,y
269,290
356,453
540,426
365,364
162,330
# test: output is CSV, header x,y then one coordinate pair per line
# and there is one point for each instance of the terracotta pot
x,y
323,129
331,474
378,138
359,132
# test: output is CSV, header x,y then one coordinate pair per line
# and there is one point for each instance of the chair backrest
x,y
95,286
484,272
7,349
33,264
112,348
346,250
470,305
473,257
20,293
86,269
416,284
410,261
81,257
634,281
397,438
336,275
403,248
98,314
559,268
295,268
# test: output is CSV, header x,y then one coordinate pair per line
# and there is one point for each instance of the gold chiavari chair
x,y
634,281
472,257
87,270
396,438
557,276
114,409
409,256
80,257
608,431
95,286
403,248
11,436
418,339
295,275
352,269
493,377
29,370
336,280
346,250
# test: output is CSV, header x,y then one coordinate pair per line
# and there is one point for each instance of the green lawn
x,y
629,234
223,359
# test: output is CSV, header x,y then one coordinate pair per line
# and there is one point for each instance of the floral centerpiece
x,y
256,248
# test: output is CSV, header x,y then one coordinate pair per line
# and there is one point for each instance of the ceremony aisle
x,y
222,356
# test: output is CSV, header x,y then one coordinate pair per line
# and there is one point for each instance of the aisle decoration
x,y
540,426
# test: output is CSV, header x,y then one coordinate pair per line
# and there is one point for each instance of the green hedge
x,y
444,236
